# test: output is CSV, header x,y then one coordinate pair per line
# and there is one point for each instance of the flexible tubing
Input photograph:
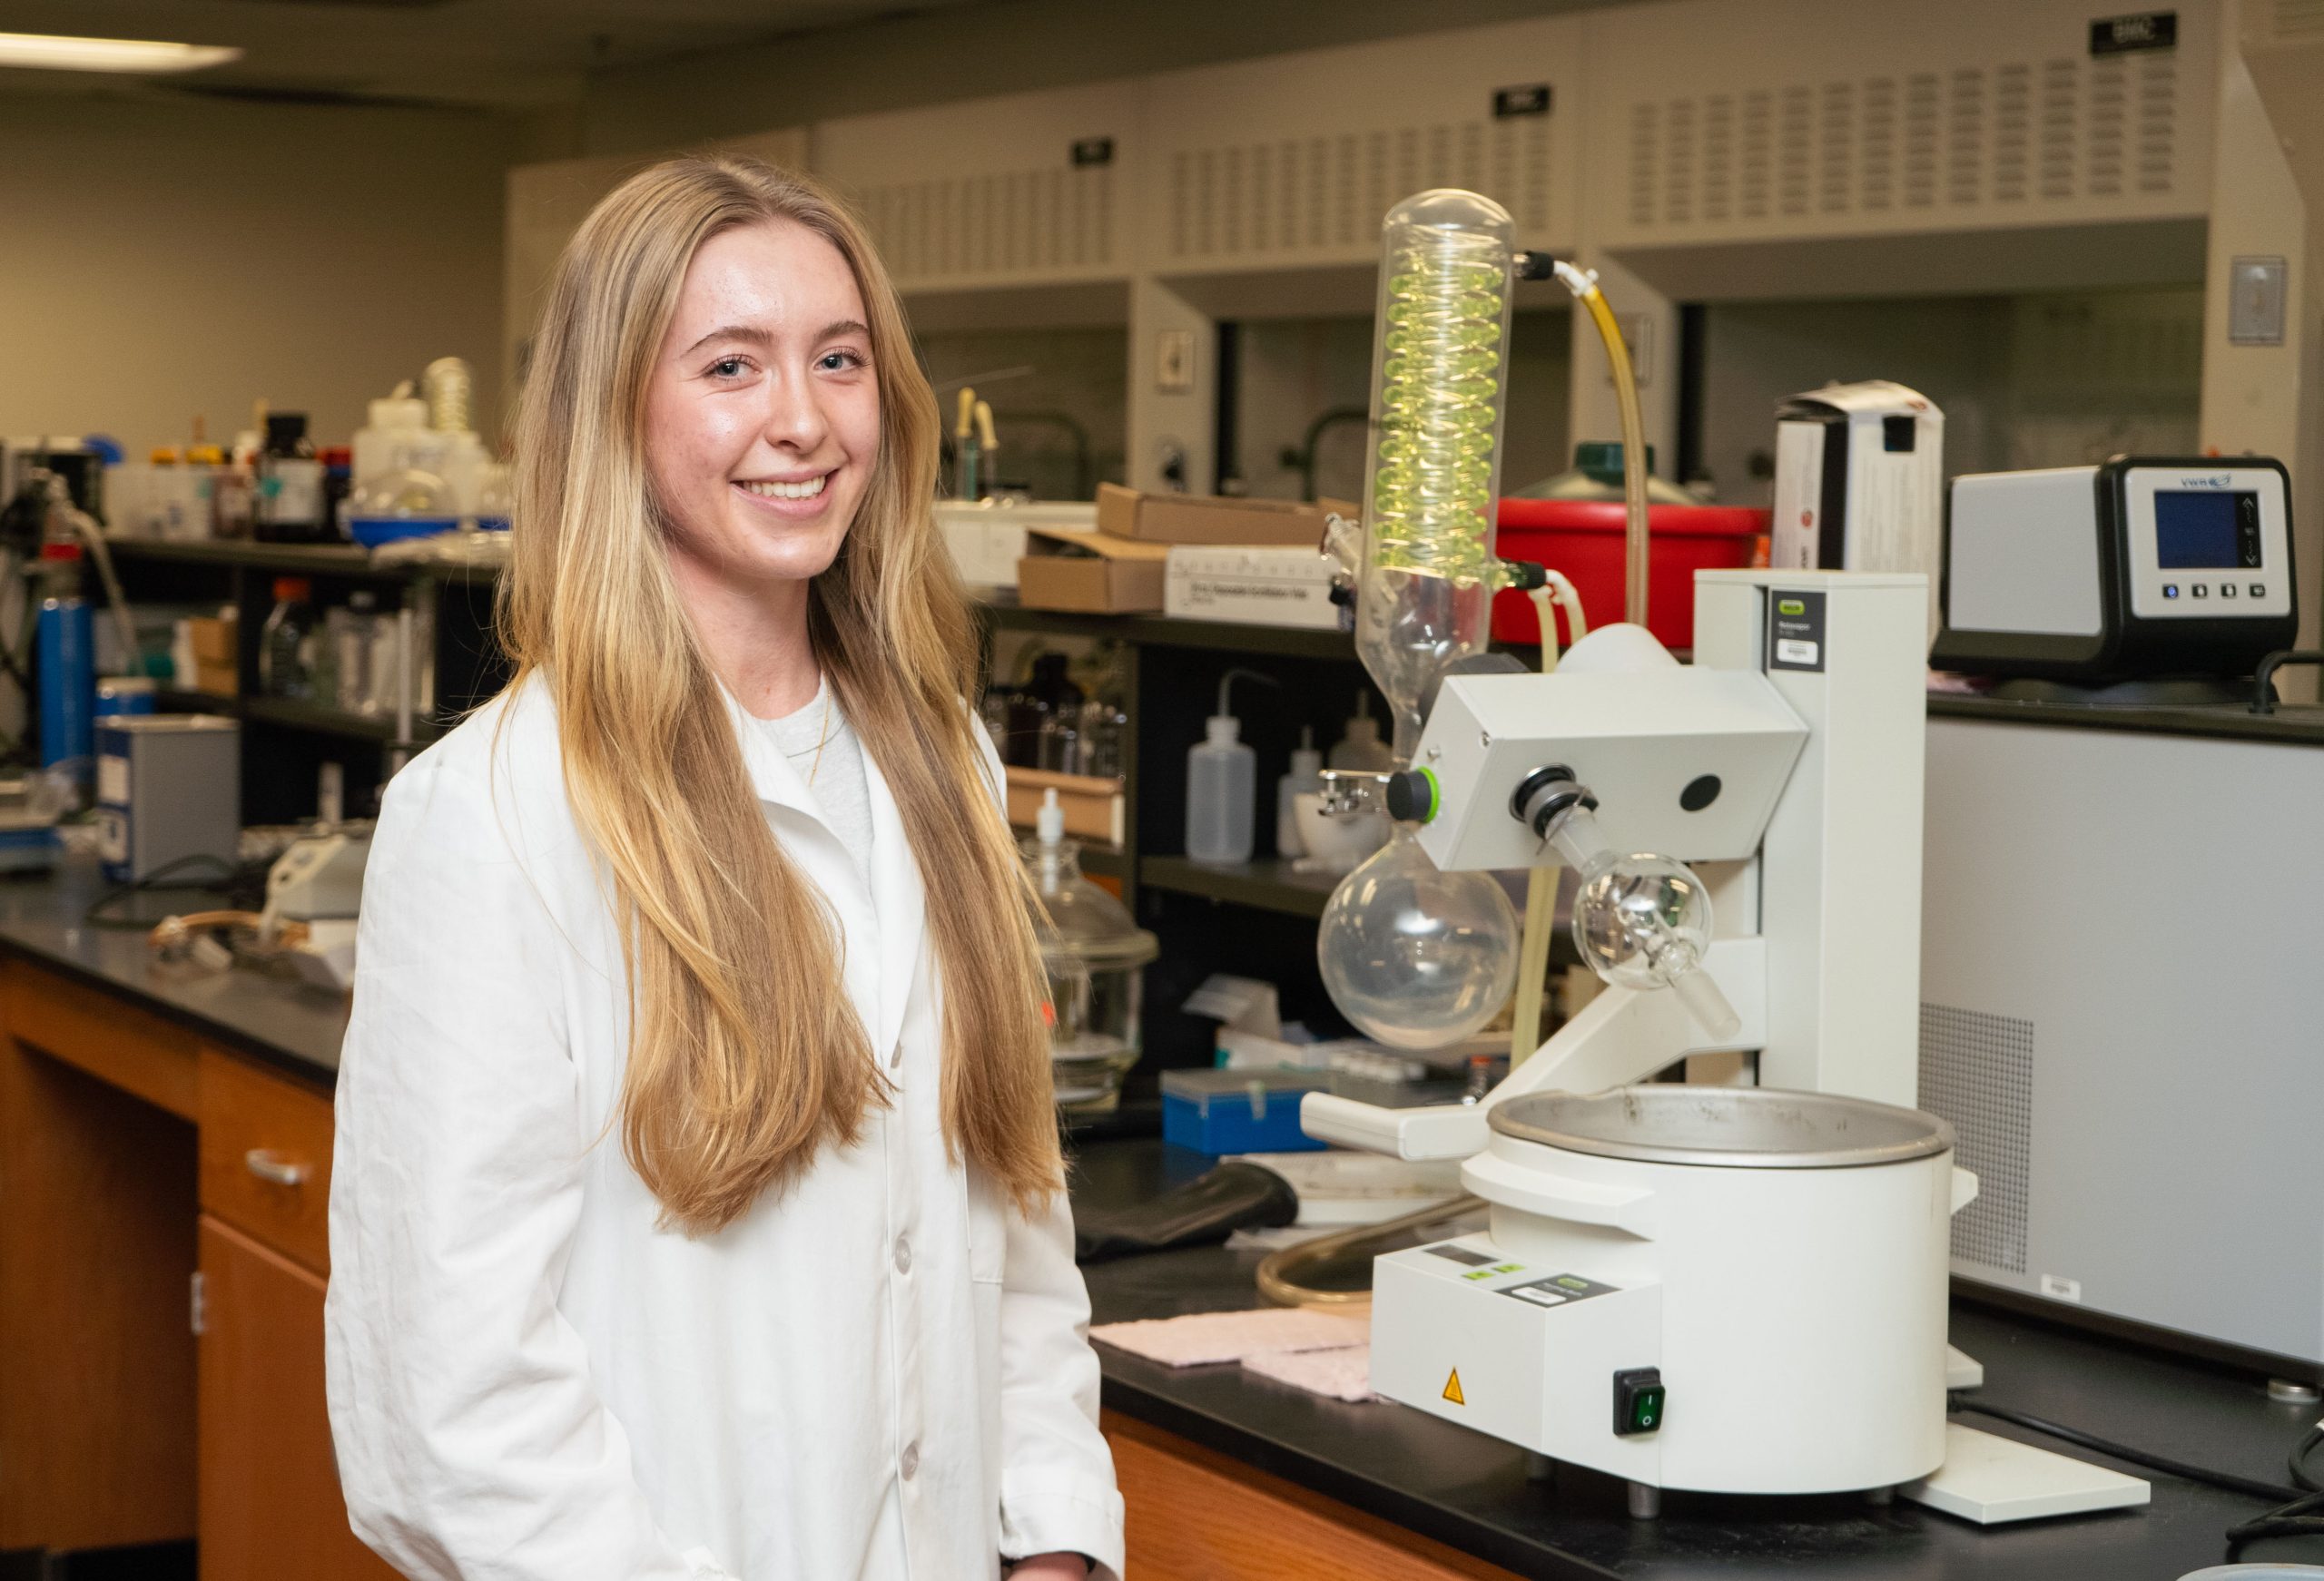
x,y
1541,895
85,524
1570,601
1280,1273
1584,287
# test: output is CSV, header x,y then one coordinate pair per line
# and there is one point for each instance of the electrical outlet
x,y
1174,361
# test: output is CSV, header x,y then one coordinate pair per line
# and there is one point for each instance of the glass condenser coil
x,y
1440,357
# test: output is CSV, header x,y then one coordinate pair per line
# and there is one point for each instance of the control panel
x,y
2206,541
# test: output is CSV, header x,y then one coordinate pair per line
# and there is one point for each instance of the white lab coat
x,y
881,1374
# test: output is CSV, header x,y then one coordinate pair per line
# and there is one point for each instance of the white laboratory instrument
x,y
1767,1267
2160,1036
318,881
1738,1258
2133,568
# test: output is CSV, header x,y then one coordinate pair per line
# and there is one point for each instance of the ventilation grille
x,y
1053,220
2297,21
1308,195
1922,141
1978,1073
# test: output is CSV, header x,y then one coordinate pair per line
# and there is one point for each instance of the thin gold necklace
x,y
823,734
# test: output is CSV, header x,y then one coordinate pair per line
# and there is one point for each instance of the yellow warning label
x,y
1452,1388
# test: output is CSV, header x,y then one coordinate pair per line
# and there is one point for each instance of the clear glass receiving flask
x,y
1415,957
1425,583
1642,921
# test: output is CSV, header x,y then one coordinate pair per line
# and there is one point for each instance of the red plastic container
x,y
1584,539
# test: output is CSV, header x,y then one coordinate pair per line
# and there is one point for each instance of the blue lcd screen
x,y
2206,530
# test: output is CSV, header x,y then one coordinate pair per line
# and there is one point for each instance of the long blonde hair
x,y
745,1055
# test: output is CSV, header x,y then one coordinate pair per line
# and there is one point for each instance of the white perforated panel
x,y
1723,120
1005,223
1294,159
1977,1074
2297,19
988,192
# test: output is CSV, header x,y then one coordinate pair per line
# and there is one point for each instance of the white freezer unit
x,y
2121,1014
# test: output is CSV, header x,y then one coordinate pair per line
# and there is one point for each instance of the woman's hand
x,y
1050,1567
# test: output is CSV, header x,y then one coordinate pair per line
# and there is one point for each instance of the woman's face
x,y
763,422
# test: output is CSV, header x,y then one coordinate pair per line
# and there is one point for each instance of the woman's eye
x,y
839,361
728,368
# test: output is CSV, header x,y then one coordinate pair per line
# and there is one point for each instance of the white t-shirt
x,y
839,782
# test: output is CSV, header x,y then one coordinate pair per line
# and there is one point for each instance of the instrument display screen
x,y
2207,529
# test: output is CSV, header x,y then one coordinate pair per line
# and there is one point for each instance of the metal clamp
x,y
274,1168
1546,797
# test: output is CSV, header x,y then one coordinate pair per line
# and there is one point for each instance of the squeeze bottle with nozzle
x,y
1222,782
1306,774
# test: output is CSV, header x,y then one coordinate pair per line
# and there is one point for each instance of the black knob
x,y
1412,796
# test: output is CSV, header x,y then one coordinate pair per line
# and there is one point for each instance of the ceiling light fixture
x,y
58,52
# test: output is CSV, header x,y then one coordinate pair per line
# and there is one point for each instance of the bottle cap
x,y
291,587
1305,761
1601,460
399,412
1048,824
1222,728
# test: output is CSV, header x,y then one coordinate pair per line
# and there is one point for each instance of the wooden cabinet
x,y
1196,1516
269,1499
266,1159
96,1245
132,1153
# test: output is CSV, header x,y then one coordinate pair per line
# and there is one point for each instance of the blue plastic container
x,y
373,531
65,651
1220,1111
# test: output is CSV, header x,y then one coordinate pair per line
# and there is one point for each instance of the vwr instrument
x,y
2138,567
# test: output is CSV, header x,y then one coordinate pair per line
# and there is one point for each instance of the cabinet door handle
x,y
270,1165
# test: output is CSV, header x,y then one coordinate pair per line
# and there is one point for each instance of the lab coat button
x,y
910,1462
903,1254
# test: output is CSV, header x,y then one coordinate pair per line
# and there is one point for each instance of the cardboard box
x,y
1254,584
1209,518
1093,808
217,663
1090,573
213,639
988,538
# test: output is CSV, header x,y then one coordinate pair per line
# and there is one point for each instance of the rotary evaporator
x,y
1677,1278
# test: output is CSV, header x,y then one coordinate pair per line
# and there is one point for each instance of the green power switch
x,y
1638,1397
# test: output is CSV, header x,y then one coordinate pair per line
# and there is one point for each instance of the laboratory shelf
x,y
347,560
1170,631
185,700
288,559
1268,884
1103,857
298,714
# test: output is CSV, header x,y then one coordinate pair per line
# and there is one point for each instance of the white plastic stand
x,y
1991,1480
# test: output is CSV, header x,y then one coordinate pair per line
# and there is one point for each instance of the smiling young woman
x,y
722,874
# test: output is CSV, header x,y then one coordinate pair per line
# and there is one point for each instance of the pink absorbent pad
x,y
1211,1337
1343,1374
